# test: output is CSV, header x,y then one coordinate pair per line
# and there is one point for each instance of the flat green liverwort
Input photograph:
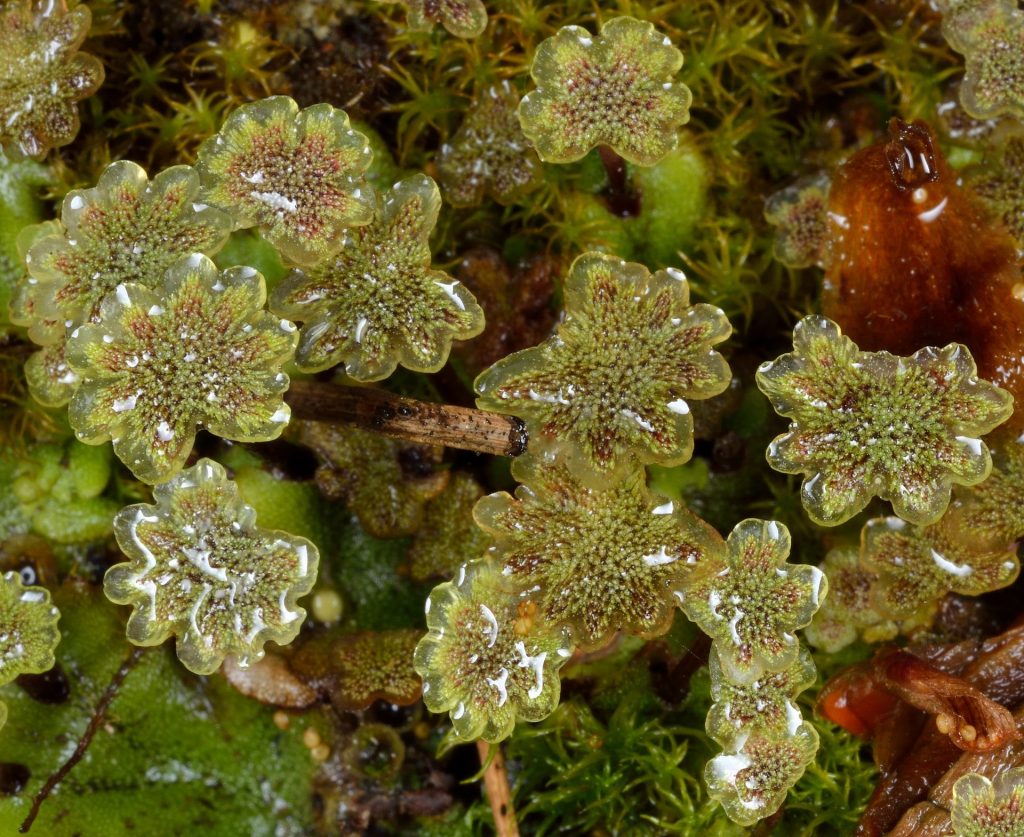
x,y
486,660
296,175
616,89
42,74
462,18
489,155
609,390
751,601
983,807
199,569
28,631
600,561
125,229
918,565
378,302
752,778
200,351
867,424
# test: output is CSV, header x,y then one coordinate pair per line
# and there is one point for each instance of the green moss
x,y
20,185
171,744
673,197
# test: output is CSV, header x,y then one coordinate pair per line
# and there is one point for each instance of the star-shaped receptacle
x,y
488,155
462,18
984,807
374,665
600,561
990,36
28,631
918,565
765,705
200,570
871,424
378,303
849,611
201,351
488,659
296,175
751,601
610,388
125,229
751,780
28,628
614,89
799,214
42,74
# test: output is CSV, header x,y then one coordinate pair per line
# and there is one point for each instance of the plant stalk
x,y
499,794
406,418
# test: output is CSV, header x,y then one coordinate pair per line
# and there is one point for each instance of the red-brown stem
x,y
83,743
409,419
499,794
622,200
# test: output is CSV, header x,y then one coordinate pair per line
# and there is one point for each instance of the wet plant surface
x,y
467,417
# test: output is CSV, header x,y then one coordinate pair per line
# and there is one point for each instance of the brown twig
x,y
499,794
407,418
83,744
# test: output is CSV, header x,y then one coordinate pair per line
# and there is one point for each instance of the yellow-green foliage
x,y
200,570
867,424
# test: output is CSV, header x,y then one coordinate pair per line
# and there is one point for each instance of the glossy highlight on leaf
x,y
42,74
125,229
50,379
870,424
765,705
297,175
917,565
751,602
201,351
613,89
610,388
378,303
752,780
28,628
601,561
994,509
200,570
480,663
488,155
990,35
